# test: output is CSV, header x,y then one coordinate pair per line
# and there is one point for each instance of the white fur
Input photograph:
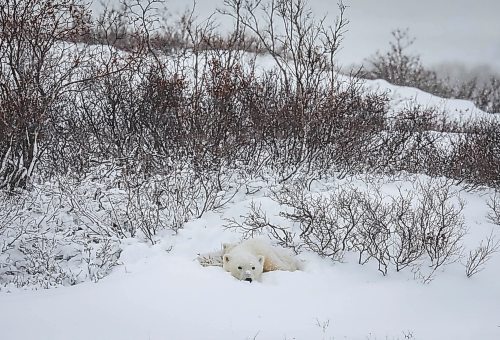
x,y
249,259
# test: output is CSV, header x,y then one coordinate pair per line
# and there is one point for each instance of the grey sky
x,y
465,31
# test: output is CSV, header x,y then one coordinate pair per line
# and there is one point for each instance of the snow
x,y
455,110
162,292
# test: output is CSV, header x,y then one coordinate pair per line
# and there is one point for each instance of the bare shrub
x,y
30,56
416,119
485,93
303,48
487,96
408,237
41,62
321,228
167,203
420,228
494,205
344,120
373,233
420,140
131,25
410,142
399,67
113,203
444,227
256,223
308,116
475,157
121,120
479,256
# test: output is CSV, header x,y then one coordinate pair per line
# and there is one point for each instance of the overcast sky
x,y
463,31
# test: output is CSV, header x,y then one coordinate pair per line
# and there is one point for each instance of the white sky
x,y
463,31
466,31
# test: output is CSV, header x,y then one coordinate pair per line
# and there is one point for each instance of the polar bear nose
x,y
249,279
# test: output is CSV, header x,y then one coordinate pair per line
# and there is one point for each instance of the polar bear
x,y
250,258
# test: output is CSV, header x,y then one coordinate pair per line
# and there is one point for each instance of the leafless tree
x,y
41,63
400,67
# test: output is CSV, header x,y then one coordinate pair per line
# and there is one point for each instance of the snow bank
x,y
161,292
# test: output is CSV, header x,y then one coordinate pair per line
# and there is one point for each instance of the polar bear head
x,y
244,265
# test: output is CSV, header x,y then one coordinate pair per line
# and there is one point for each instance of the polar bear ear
x,y
261,259
226,258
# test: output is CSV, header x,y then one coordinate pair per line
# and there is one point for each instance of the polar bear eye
x,y
253,268
240,268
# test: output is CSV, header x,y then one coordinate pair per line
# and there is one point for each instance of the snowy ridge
x,y
455,110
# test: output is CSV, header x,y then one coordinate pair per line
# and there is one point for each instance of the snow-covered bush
x,y
41,63
112,203
419,227
42,244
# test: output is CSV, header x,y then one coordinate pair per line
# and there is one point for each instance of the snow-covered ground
x,y
460,111
162,292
